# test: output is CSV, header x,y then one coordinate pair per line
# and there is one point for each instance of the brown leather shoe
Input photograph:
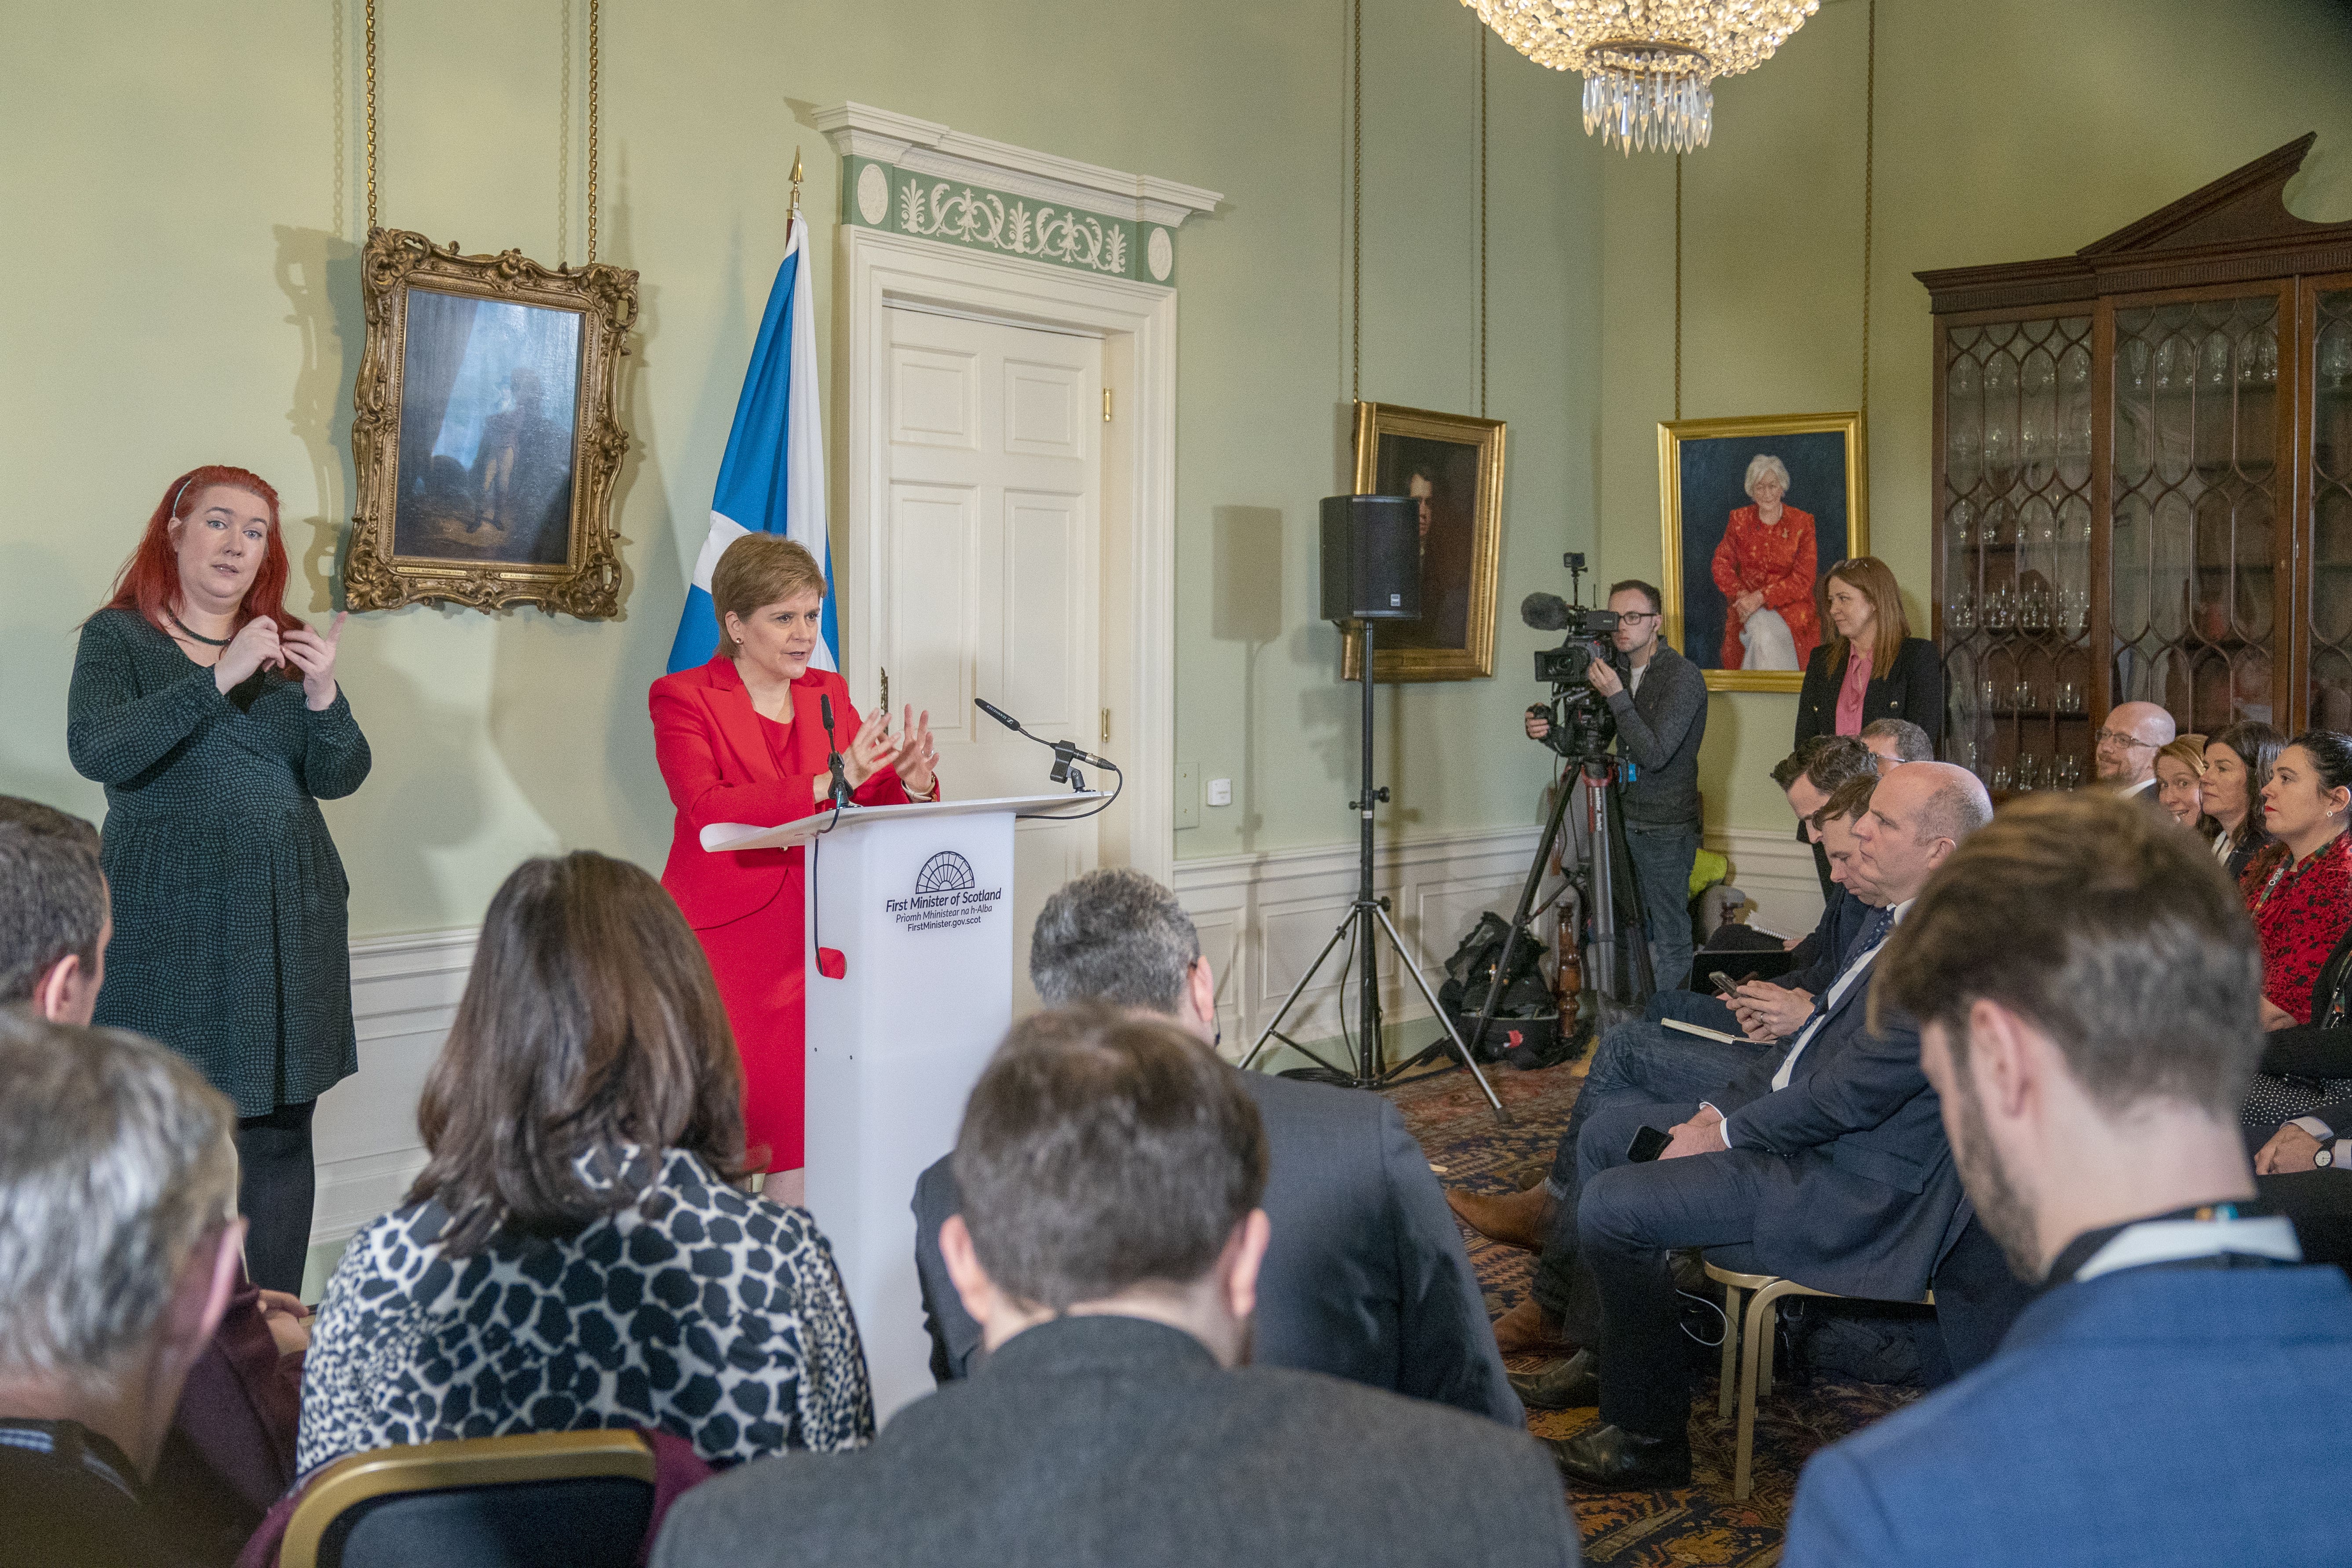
x,y
1528,1330
1521,1220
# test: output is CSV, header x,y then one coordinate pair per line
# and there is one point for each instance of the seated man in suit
x,y
1367,1278
1108,1243
1640,1063
2125,749
2086,987
118,1247
54,919
1895,741
1824,1163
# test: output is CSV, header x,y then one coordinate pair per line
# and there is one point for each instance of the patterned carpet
x,y
1698,1526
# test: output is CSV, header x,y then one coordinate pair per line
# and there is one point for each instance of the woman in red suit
x,y
742,739
1768,561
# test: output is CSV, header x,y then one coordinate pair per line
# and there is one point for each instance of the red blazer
x,y
714,757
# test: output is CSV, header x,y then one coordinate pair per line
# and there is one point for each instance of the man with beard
x,y
2086,987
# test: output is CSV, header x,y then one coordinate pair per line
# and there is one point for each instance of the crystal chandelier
x,y
1647,64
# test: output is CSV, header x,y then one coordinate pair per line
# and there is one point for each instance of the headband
x,y
173,510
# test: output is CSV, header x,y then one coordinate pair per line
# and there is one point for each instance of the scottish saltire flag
x,y
771,480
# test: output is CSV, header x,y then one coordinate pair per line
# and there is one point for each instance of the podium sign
x,y
917,902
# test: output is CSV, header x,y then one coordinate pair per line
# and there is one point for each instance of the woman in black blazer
x,y
1870,668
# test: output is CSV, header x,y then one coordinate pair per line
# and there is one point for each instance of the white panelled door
x,y
990,528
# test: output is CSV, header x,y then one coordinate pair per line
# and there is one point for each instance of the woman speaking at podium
x,y
743,739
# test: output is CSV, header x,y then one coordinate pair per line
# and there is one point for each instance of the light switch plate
x,y
1220,791
1188,795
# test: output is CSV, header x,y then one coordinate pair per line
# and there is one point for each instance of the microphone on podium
x,y
832,750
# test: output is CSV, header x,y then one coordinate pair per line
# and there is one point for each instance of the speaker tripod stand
x,y
1366,922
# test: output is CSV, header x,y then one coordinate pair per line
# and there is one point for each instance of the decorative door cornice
x,y
918,178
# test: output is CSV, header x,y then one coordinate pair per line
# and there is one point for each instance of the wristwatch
x,y
2324,1157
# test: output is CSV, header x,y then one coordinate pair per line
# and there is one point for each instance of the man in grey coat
x,y
1367,1278
1108,1244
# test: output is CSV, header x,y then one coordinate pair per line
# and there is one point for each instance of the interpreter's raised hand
x,y
919,753
254,647
314,656
869,751
1699,1136
1776,1010
2290,1149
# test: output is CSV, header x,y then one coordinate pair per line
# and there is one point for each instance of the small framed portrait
x,y
485,432
1452,465
1756,512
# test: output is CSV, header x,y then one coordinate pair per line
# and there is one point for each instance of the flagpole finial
x,y
796,179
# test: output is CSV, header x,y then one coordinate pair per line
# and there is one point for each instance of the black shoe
x,y
1568,1383
1608,1459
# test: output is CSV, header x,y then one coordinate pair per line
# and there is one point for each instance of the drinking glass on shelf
x,y
1963,615
1990,695
2020,695
2070,698
2069,771
2028,772
2003,780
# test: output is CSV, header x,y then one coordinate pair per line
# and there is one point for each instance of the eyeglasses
x,y
2111,737
1631,616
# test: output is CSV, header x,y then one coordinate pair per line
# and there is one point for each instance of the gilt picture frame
x,y
485,431
1719,552
1452,463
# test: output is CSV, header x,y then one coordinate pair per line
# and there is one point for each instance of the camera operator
x,y
1658,699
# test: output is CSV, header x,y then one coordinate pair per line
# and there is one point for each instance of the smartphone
x,y
1648,1145
1724,984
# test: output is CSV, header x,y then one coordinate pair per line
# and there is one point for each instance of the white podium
x,y
917,902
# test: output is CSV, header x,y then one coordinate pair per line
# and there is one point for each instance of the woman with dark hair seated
x,y
2237,767
2299,891
572,1254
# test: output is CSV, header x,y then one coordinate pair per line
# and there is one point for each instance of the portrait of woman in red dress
x,y
1765,568
742,739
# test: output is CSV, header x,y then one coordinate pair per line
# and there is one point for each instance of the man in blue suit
x,y
2087,987
1645,1060
1825,1162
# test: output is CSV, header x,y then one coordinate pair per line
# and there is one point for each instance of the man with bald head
x,y
1824,1162
2128,744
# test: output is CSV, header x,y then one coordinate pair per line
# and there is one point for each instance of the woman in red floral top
x,y
2299,889
1768,561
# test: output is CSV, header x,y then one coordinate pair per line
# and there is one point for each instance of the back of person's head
x,y
1115,937
35,817
1838,759
1909,742
1791,768
590,1021
2113,933
53,907
1102,1152
116,1161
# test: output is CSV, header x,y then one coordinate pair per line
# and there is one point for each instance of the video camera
x,y
1582,724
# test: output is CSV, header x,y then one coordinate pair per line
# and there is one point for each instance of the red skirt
x,y
756,959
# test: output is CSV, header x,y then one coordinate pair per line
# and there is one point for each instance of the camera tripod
x,y
1366,921
1595,785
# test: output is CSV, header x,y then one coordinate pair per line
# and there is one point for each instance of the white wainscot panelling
x,y
1776,872
1264,917
405,992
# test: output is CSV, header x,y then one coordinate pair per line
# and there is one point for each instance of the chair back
x,y
536,1499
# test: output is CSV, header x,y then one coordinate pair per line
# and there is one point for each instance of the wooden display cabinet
x,y
2143,478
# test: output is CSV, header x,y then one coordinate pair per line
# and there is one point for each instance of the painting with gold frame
x,y
1743,591
485,432
1453,465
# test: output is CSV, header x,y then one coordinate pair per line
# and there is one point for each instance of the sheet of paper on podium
x,y
725,836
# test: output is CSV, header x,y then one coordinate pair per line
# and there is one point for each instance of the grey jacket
x,y
1121,1443
1366,1278
1659,730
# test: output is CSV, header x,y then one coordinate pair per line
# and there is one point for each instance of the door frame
x,y
1136,324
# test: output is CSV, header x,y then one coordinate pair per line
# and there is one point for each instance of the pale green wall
x,y
183,287
2008,130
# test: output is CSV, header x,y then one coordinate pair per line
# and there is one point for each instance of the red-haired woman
x,y
213,719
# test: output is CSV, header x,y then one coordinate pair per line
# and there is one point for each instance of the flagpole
x,y
795,215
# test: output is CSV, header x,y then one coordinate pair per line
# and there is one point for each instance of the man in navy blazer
x,y
1825,1163
1646,1061
1367,1278
2088,986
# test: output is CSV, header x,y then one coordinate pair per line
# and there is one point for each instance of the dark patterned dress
x,y
230,943
712,1314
